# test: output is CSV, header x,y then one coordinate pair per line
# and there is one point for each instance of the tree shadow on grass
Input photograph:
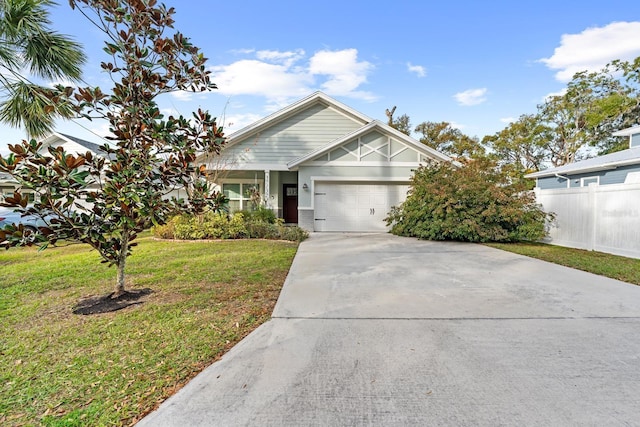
x,y
108,303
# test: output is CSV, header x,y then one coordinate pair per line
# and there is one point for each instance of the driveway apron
x,y
379,330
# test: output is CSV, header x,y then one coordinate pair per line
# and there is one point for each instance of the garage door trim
x,y
355,205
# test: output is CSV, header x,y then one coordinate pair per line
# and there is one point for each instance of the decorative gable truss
x,y
374,144
374,148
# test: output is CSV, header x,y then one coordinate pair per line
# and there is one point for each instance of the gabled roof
x,y
95,148
630,156
86,144
278,116
375,124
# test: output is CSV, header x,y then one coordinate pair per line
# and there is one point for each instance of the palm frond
x,y
28,105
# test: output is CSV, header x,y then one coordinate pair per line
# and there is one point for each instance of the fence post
x,y
593,203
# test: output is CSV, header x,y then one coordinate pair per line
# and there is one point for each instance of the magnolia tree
x,y
105,201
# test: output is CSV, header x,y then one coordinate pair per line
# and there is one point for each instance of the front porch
x,y
276,190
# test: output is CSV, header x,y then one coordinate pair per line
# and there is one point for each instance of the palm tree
x,y
28,45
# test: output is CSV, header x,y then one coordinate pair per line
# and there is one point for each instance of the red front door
x,y
290,203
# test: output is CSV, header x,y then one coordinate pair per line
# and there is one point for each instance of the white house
x,y
322,165
69,143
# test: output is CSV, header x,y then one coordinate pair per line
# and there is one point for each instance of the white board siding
x,y
355,207
293,137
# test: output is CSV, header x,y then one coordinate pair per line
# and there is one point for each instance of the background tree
x,y
106,203
575,124
520,148
27,42
585,116
443,137
474,203
402,123
621,105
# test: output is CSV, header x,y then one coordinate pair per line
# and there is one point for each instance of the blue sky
x,y
474,64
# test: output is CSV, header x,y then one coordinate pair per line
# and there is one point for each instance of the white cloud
x,y
286,58
64,83
169,112
471,96
344,72
234,122
508,120
281,76
455,125
242,51
418,69
182,95
593,48
276,82
552,94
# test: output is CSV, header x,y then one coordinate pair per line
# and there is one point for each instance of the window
x,y
292,191
240,194
584,182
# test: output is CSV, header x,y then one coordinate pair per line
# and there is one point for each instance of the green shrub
x,y
474,203
261,214
222,226
264,214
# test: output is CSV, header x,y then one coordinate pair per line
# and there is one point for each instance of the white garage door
x,y
355,207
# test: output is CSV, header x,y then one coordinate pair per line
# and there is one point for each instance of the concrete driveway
x,y
373,329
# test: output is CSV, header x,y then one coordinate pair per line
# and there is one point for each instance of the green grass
x,y
61,369
613,266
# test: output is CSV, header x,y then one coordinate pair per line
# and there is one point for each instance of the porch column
x,y
267,185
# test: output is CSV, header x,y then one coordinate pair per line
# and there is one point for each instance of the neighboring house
x,y
320,164
596,201
7,185
615,168
69,143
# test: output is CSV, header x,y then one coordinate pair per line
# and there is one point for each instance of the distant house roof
x,y
86,144
628,131
630,156
56,137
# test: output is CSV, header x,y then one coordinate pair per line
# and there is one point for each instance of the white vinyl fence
x,y
603,218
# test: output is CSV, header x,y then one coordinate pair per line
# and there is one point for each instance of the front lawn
x,y
61,369
613,266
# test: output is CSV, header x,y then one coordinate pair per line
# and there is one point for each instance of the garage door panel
x,y
355,207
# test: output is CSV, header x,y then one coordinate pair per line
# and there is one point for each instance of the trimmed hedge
x,y
223,226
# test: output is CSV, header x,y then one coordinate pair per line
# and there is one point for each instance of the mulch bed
x,y
108,303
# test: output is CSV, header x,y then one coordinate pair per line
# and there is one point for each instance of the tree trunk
x,y
122,260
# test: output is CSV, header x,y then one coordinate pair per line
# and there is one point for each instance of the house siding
x,y
551,183
352,174
293,137
635,140
607,177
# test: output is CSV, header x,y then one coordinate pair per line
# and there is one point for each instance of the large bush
x,y
474,203
214,225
